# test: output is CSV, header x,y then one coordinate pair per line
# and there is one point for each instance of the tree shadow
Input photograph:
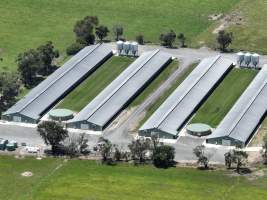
x,y
244,171
206,168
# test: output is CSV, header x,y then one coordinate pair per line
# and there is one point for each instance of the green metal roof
x,y
60,113
198,127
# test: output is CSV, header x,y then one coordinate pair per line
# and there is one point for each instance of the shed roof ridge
x,y
241,115
122,83
61,75
181,98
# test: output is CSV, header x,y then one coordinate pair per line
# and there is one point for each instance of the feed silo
x,y
240,58
119,47
134,48
247,59
255,59
126,47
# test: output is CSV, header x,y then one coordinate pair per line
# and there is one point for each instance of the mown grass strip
x,y
95,83
224,97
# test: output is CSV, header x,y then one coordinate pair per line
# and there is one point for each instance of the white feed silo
x,y
134,48
247,58
130,48
126,47
255,59
240,58
119,47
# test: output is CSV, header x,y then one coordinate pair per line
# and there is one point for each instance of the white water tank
x,y
134,48
119,46
240,58
126,47
255,59
247,59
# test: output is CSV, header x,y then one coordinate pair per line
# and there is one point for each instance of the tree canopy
x,y
224,39
203,160
102,32
9,90
181,39
139,148
106,149
36,62
118,31
167,39
53,133
29,64
47,53
163,156
84,30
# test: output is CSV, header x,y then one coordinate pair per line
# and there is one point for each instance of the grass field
x,y
224,97
166,94
26,24
251,35
95,83
55,179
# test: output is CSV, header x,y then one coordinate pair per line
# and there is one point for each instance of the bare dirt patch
x,y
257,140
234,18
20,157
135,125
123,116
215,17
27,174
255,157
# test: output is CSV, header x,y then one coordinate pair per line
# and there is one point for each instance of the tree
x,y
9,90
106,149
140,39
229,159
47,54
52,133
167,39
118,31
181,39
163,156
76,145
139,148
240,158
36,62
203,160
74,48
83,144
117,154
154,141
29,64
224,39
264,147
101,32
84,30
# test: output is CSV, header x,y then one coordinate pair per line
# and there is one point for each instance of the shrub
x,y
140,39
163,156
